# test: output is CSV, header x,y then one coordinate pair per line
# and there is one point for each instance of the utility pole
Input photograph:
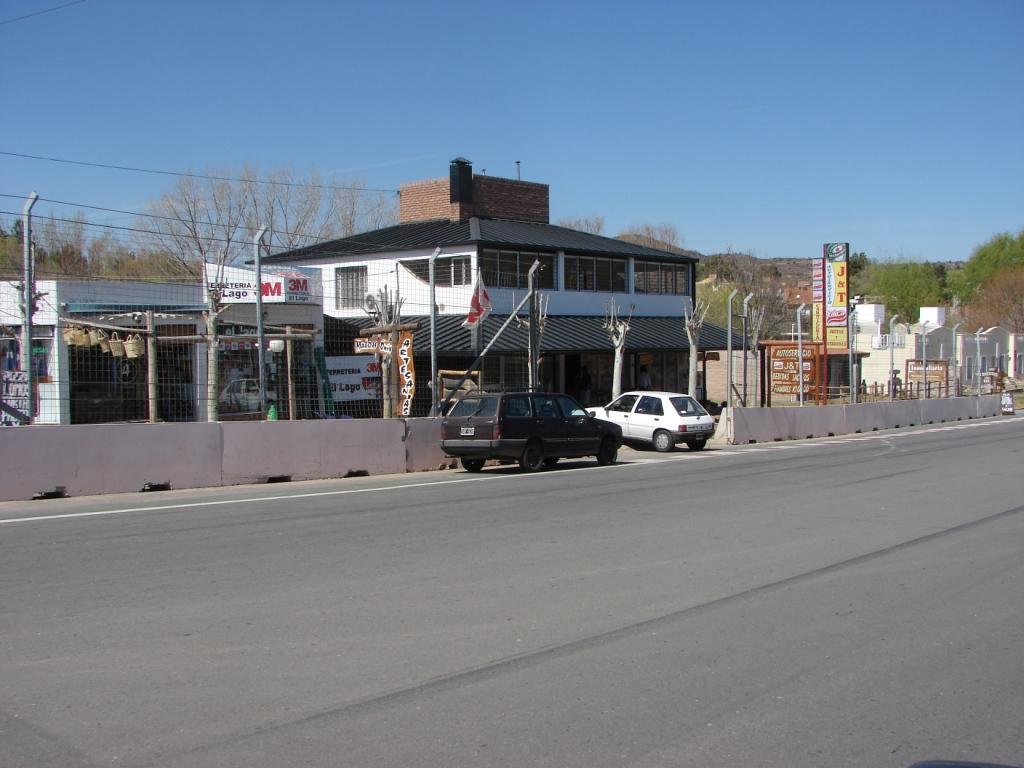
x,y
892,378
261,341
28,288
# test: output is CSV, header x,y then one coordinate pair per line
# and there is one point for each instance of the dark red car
x,y
534,428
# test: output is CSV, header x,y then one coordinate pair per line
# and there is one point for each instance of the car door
x,y
647,417
582,432
517,422
548,424
619,411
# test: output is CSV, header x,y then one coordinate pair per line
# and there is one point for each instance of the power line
x,y
150,216
239,241
40,13
195,175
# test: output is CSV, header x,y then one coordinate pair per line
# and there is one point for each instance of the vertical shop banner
x,y
837,294
406,374
817,299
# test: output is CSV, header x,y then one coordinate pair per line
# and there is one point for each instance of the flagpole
x,y
433,335
472,367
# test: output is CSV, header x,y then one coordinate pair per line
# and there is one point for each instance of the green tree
x,y
858,266
905,286
1002,251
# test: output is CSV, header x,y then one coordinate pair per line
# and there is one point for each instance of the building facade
x,y
490,231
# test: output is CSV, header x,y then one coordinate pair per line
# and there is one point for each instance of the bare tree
x,y
616,328
663,236
594,225
201,217
693,316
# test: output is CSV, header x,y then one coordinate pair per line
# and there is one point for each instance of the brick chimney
x,y
463,195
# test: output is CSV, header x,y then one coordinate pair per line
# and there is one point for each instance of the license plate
x,y
467,431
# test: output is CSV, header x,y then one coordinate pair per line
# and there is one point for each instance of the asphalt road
x,y
842,602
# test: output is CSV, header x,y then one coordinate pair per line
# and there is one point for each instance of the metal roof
x,y
563,333
501,233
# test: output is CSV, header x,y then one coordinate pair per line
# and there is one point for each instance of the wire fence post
x,y
151,390
28,309
257,243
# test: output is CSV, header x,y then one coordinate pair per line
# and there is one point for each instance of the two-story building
x,y
492,230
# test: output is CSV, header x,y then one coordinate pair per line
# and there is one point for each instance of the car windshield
x,y
687,406
475,406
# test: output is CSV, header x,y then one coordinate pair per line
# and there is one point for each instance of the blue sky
x,y
767,126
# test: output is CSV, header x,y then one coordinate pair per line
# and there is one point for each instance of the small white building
x,y
78,383
963,352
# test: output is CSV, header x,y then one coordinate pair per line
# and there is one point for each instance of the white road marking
x,y
313,494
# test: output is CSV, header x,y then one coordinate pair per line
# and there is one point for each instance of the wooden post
x,y
291,376
151,363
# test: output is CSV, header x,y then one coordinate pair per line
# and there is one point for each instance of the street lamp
x,y
261,341
851,336
746,304
977,353
728,346
800,351
892,380
924,354
956,365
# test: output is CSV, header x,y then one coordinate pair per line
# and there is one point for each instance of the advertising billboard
x,y
281,285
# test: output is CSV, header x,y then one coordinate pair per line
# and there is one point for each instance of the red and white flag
x,y
479,305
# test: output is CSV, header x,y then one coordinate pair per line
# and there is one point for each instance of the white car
x,y
662,419
243,396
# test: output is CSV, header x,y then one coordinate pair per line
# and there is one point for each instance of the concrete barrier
x,y
121,458
423,445
309,450
118,458
760,425
107,458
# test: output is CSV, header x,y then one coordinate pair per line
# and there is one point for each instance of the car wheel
x,y
472,465
663,441
608,452
533,457
550,461
697,445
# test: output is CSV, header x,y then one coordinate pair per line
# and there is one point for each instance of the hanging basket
x,y
69,334
79,337
96,336
116,344
134,346
104,343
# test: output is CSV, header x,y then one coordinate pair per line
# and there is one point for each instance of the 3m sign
x,y
292,285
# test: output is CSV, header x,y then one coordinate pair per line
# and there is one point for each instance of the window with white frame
x,y
350,287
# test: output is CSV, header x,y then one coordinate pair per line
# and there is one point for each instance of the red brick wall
x,y
510,199
492,196
423,201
